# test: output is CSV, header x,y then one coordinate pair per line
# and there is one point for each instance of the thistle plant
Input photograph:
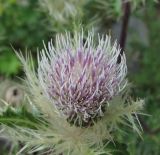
x,y
79,93
62,13
61,10
89,13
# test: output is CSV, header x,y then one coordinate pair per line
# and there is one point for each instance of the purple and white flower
x,y
81,77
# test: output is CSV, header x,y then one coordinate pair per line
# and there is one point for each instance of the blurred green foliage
x,y
24,25
147,84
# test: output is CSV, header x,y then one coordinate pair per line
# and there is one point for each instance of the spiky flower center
x,y
82,78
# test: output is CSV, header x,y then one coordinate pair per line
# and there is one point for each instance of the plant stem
x,y
123,35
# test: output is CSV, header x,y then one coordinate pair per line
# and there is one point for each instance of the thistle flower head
x,y
80,77
78,80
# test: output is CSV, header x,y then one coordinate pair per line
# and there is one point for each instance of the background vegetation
x,y
24,24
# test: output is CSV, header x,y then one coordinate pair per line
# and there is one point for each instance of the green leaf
x,y
19,117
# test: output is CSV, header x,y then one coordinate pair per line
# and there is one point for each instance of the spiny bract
x,y
78,80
